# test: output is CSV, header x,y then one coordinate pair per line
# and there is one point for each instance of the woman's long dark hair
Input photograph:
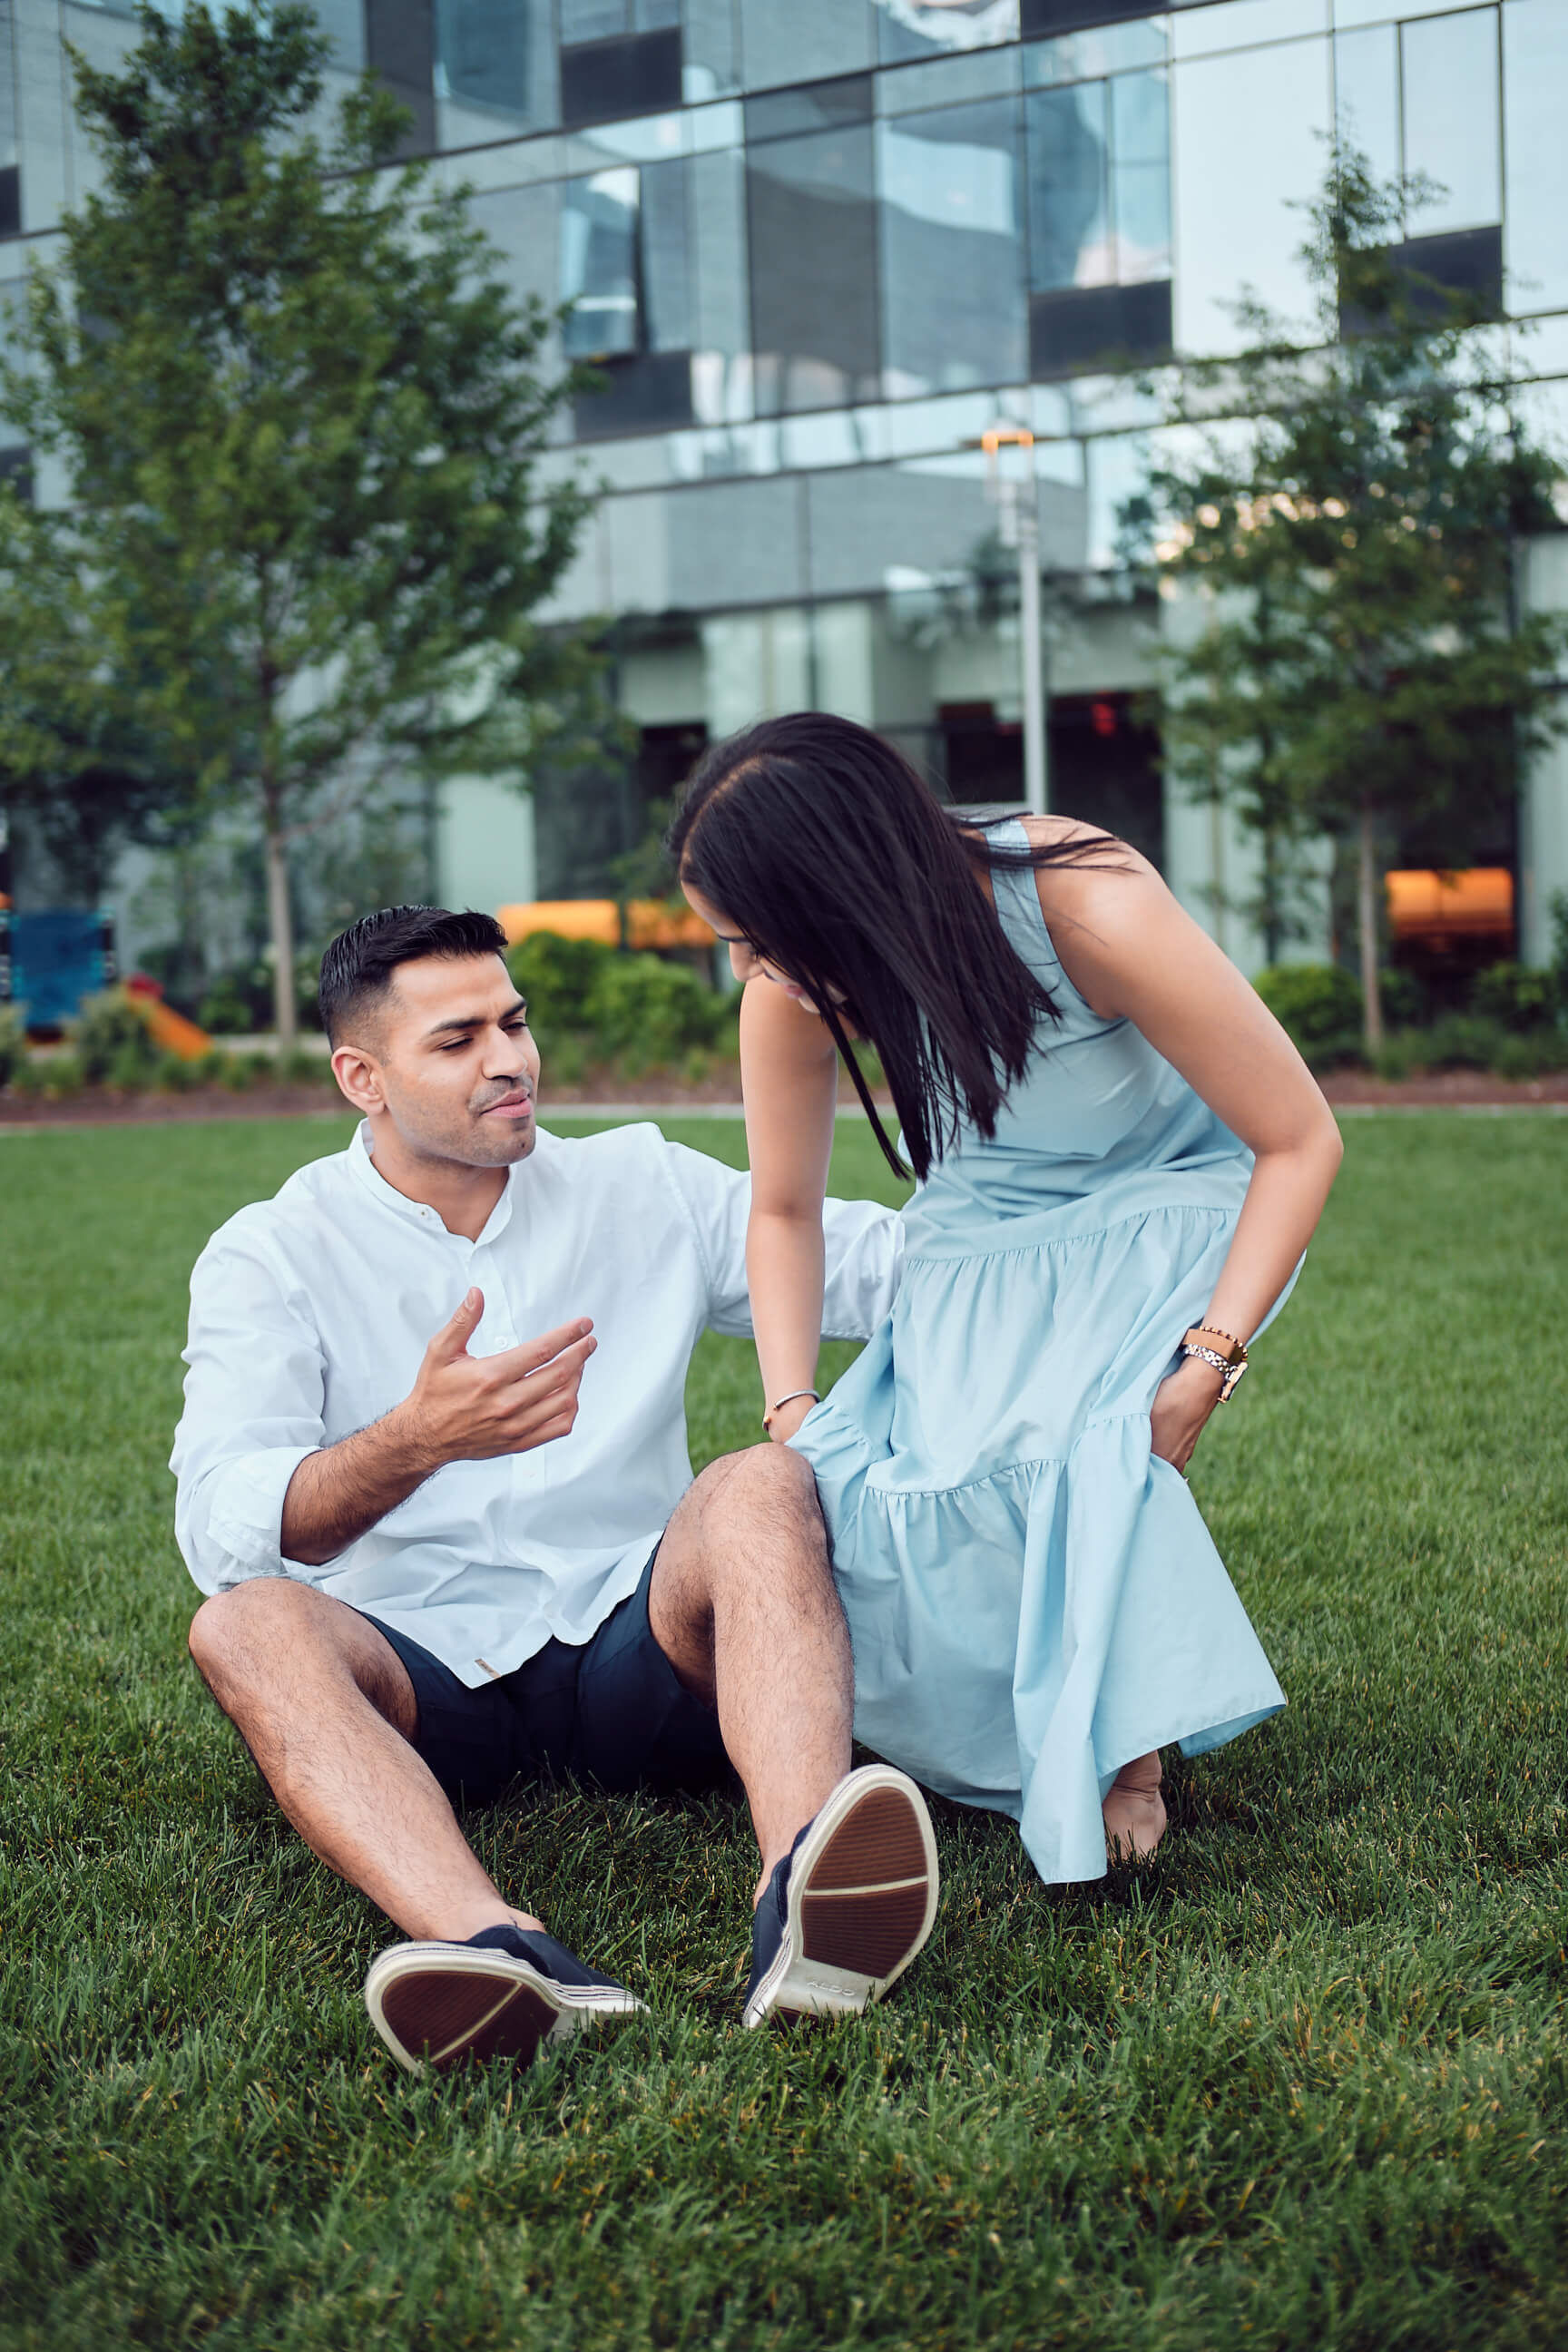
x,y
822,845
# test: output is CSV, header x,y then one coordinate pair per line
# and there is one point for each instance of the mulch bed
x,y
104,1106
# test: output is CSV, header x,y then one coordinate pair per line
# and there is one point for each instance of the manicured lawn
x,y
1300,2082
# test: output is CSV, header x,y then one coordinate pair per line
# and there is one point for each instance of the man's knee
x,y
248,1621
766,1490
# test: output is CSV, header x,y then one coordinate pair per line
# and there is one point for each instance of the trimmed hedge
x,y
587,1002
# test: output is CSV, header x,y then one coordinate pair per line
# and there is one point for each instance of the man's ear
x,y
358,1075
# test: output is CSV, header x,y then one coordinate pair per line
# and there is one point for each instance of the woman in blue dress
x,y
1119,1161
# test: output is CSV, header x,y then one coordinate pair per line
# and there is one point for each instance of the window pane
x,y
489,53
813,227
593,20
1197,32
665,257
599,262
524,222
1535,69
721,368
1249,146
952,279
925,29
1366,95
709,51
1101,49
1451,130
805,39
1069,187
1141,175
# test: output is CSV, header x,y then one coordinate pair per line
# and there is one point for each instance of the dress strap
x,y
1018,906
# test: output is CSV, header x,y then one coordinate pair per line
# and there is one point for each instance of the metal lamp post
x,y
1019,524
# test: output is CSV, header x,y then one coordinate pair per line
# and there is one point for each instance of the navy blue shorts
x,y
611,1710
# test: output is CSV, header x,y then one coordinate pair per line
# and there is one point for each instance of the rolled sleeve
x,y
254,1393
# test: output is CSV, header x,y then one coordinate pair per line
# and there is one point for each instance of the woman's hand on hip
x,y
1183,1403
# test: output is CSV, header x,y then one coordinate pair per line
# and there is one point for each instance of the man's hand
x,y
462,1408
468,1408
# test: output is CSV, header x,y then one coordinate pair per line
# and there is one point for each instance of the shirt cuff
x,y
245,1518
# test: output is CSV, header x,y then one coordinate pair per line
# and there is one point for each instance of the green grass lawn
x,y
1300,2081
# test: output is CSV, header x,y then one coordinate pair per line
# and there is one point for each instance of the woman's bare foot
x,y
1135,1809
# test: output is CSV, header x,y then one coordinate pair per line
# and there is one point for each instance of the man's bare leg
x,y
743,1605
325,1706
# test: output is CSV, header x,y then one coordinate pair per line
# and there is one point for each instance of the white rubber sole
x,y
443,2005
863,1889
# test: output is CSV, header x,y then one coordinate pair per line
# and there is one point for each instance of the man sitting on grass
x,y
433,1566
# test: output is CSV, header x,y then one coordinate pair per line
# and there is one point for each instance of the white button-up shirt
x,y
310,1318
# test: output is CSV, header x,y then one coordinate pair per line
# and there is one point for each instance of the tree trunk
x,y
281,923
1367,923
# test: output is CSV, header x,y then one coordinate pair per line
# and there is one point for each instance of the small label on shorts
x,y
493,1672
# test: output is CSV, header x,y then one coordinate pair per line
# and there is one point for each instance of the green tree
x,y
300,413
1365,668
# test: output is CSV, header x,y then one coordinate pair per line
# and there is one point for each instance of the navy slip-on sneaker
x,y
850,1904
503,1994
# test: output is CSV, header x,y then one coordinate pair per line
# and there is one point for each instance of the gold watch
x,y
1226,1354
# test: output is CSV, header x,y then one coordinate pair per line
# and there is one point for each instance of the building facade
x,y
818,247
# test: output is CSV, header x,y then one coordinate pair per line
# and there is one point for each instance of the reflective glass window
x,y
489,54
805,39
1248,145
711,63
722,365
813,237
925,29
1099,183
1366,95
1141,176
949,81
599,271
1235,23
665,257
1100,50
524,222
952,224
1452,132
1535,78
1069,187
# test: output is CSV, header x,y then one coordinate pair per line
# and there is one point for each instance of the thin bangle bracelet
x,y
779,1404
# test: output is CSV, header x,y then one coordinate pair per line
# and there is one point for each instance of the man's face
x,y
457,1071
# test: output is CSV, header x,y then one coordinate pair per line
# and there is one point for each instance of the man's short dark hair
x,y
357,968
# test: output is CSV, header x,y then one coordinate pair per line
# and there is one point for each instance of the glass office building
x,y
817,248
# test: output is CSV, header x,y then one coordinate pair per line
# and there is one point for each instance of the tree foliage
x,y
1364,666
301,415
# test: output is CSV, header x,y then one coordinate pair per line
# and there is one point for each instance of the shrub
x,y
1404,999
224,1011
1516,997
111,1043
1462,1041
13,1042
1398,1056
557,976
1319,1005
587,1001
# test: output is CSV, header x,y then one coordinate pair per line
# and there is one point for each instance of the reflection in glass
x,y
1451,127
721,367
1535,74
483,52
666,258
1100,50
803,37
813,230
1069,187
599,263
1231,24
1366,95
1242,160
708,50
1141,176
952,223
925,29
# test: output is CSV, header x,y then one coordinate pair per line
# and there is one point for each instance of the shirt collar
x,y
420,1213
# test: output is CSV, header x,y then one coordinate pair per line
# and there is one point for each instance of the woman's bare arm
x,y
1130,950
789,1078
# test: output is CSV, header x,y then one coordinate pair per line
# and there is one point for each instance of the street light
x,y
1018,522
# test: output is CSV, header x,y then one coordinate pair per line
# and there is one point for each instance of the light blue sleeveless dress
x,y
1033,1596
